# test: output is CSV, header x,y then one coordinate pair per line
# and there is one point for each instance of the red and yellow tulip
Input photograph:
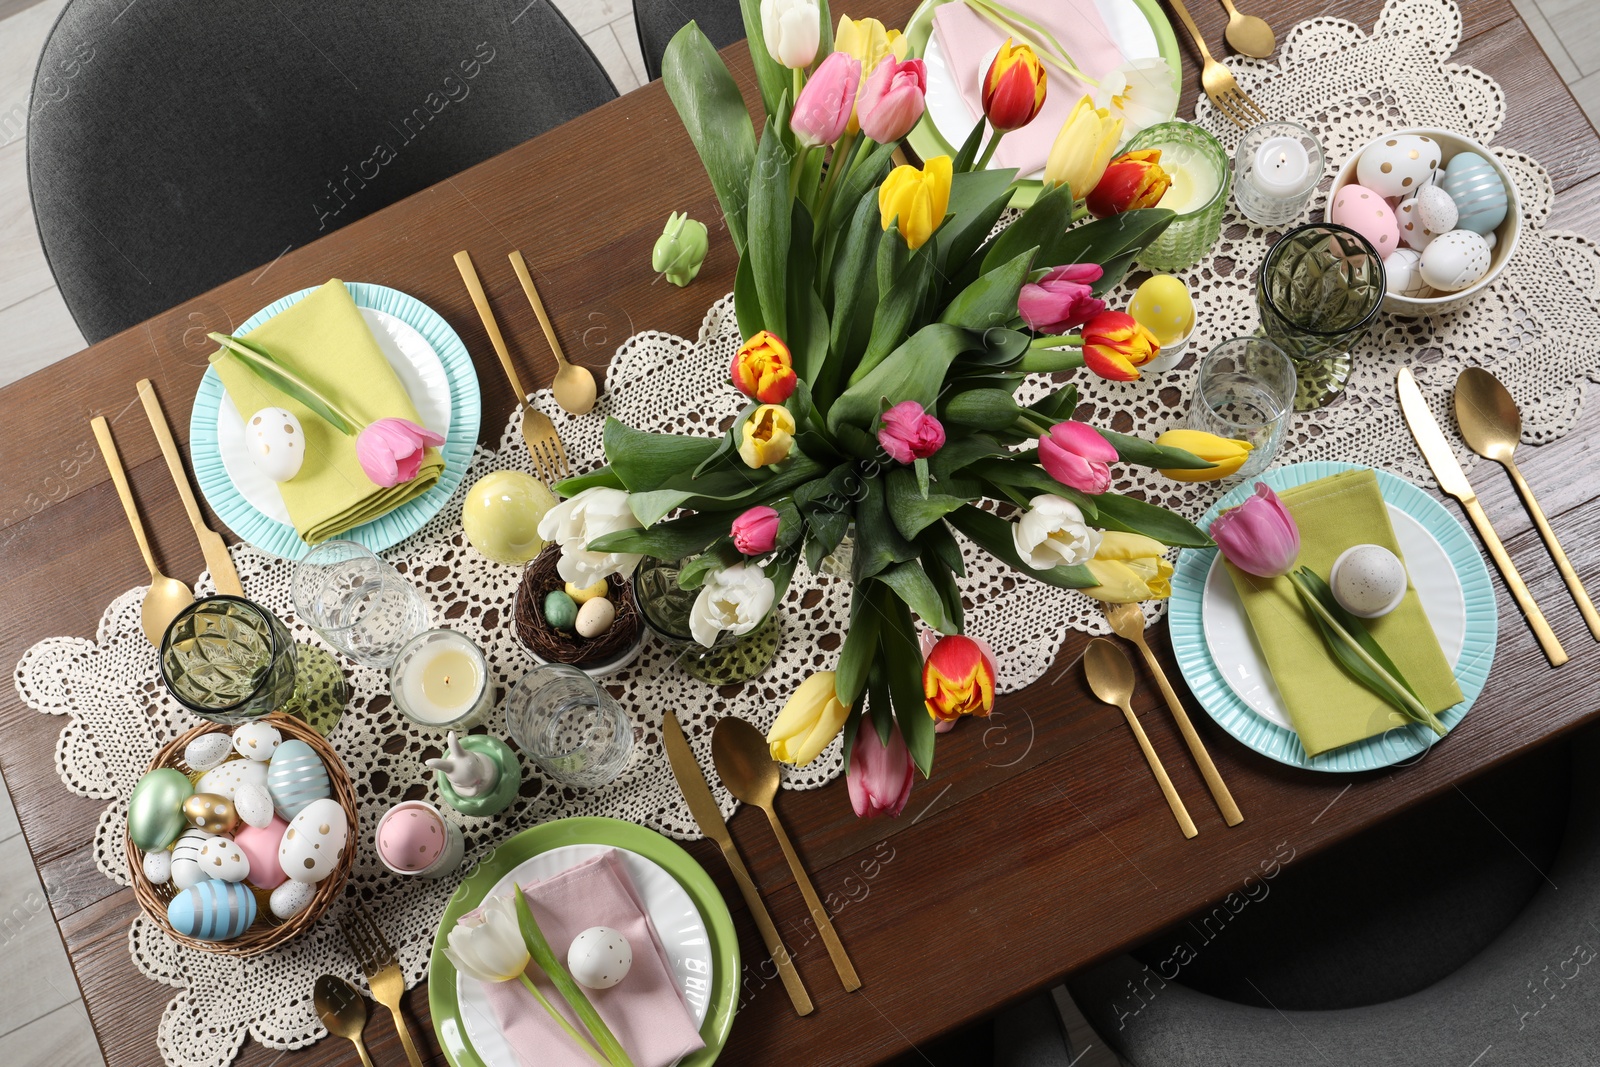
x,y
957,679
1115,346
763,369
1013,87
1132,180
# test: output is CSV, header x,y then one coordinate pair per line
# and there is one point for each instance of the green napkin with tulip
x,y
325,340
1327,706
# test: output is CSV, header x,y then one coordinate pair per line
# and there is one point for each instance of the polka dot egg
x,y
314,843
276,443
411,839
226,779
599,958
1162,306
256,740
1455,260
221,858
1396,166
1365,212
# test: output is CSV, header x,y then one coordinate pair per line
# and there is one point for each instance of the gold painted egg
x,y
211,812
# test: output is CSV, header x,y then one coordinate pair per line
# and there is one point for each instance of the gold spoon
x,y
1492,427
1111,678
1247,34
166,597
342,1010
573,387
746,767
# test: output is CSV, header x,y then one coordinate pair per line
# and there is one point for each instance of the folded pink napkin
x,y
968,40
646,1010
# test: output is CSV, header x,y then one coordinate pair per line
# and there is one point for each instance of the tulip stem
x,y
561,1020
1060,340
267,369
1048,360
988,151
836,168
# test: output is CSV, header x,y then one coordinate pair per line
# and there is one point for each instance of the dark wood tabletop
x,y
1039,846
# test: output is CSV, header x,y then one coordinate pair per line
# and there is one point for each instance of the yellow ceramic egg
x,y
501,516
1162,306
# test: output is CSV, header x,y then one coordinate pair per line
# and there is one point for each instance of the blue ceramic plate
x,y
1211,689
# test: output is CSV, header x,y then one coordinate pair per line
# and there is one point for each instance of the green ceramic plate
x,y
442,1002
925,138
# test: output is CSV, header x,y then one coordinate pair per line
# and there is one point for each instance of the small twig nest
x,y
566,646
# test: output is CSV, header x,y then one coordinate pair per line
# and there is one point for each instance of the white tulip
x,y
792,29
1053,533
574,523
487,944
733,600
1140,93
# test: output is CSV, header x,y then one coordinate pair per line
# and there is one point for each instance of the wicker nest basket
x,y
560,646
267,932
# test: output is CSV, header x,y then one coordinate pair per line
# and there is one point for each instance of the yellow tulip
x,y
1082,150
1228,455
1129,568
766,436
868,42
916,199
812,718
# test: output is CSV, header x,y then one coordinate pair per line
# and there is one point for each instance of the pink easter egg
x,y
260,846
1367,213
410,838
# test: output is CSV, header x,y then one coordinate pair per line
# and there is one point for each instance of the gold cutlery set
x,y
1249,36
341,1006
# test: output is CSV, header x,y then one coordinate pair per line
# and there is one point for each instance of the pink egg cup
x,y
415,841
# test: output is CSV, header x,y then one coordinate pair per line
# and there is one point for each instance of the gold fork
x,y
1217,80
376,957
544,443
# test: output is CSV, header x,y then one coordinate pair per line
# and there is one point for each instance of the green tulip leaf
x,y
912,511
992,299
647,460
1131,515
914,371
860,645
1103,240
1142,453
1025,474
916,590
671,540
941,543
977,200
715,117
902,660
855,296
605,478
878,542
896,309
872,164
981,409
772,78
1045,221
770,221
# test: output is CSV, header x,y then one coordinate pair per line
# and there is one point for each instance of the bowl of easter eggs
x,y
1440,208
240,838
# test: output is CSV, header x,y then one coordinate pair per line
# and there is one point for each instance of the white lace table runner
x,y
1537,328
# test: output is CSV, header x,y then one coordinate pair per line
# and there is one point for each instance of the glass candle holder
x,y
441,680
358,602
664,606
1245,392
569,726
1198,166
1275,169
1319,291
228,659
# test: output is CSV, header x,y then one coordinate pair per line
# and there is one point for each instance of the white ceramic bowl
x,y
1507,233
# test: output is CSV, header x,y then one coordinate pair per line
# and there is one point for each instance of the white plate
x,y
419,369
677,922
1128,26
1238,657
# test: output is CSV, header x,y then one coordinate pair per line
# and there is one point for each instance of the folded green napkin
x,y
1326,705
325,340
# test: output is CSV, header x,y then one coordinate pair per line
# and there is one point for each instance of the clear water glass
x,y
229,660
568,725
358,602
1245,392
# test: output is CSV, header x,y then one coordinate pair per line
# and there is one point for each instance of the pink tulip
x,y
907,432
823,110
1259,536
390,450
755,532
892,101
1074,454
880,775
1062,299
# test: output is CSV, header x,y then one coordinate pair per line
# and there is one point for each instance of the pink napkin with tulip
x,y
968,40
647,1011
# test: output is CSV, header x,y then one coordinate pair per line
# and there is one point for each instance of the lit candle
x,y
1195,179
1281,167
440,679
1275,169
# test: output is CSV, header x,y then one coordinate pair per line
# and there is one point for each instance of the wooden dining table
x,y
1038,847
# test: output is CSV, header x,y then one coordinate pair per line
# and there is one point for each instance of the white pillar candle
x,y
1281,167
440,679
1195,180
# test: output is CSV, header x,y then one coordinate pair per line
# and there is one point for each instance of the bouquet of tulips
x,y
888,329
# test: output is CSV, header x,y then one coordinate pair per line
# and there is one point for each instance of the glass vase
x,y
665,606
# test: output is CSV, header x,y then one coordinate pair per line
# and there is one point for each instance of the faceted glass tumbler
x,y
665,607
569,725
1193,234
358,602
228,660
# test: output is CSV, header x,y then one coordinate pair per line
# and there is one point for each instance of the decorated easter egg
x,y
1397,165
1402,273
291,898
1412,232
501,514
1435,210
411,838
155,810
157,867
1368,580
254,804
1365,212
211,812
225,779
559,610
314,843
1162,305
276,443
296,777
1455,260
1491,239
256,740
260,846
207,750
595,617
1478,192
221,858
599,958
185,866
584,595
212,910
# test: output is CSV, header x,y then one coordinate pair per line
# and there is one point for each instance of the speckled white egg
x,y
1412,233
221,858
256,740
157,867
595,617
1435,210
1402,272
1455,260
599,958
253,804
314,843
1367,213
1395,166
276,443
291,898
185,863
1368,580
207,750
1477,190
226,779
1491,239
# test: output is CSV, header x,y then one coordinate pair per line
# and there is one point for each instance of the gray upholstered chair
x,y
173,146
657,20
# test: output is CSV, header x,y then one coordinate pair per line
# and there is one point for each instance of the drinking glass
x,y
1245,391
664,605
228,660
1319,290
357,602
569,726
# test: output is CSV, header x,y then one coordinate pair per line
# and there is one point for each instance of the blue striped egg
x,y
1478,192
213,910
295,778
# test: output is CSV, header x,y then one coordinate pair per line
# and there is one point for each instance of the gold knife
x,y
1453,480
703,806
218,562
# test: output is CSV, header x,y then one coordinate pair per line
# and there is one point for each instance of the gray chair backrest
x,y
173,146
657,20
